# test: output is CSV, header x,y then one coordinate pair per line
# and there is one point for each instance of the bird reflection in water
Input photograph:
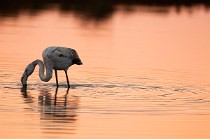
x,y
58,108
57,112
28,98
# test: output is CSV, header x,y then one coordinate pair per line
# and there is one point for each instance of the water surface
x,y
145,74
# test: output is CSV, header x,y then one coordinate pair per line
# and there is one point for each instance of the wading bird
x,y
57,58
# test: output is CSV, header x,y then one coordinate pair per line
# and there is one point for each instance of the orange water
x,y
145,75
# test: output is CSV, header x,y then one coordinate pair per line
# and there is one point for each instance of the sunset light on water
x,y
145,72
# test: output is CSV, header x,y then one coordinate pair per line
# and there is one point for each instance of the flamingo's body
x,y
57,58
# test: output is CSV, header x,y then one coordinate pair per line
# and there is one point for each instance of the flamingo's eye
x,y
61,55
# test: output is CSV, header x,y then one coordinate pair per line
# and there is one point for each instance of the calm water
x,y
145,74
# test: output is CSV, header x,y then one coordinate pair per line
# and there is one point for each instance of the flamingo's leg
x,y
56,77
67,79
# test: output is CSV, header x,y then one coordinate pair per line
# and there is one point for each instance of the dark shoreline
x,y
92,9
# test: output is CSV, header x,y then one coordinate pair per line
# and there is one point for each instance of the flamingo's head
x,y
28,71
24,80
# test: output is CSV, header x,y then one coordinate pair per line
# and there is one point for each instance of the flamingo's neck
x,y
48,75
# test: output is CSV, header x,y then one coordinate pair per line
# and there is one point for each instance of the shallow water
x,y
145,75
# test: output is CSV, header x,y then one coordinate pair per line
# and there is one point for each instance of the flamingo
x,y
54,57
